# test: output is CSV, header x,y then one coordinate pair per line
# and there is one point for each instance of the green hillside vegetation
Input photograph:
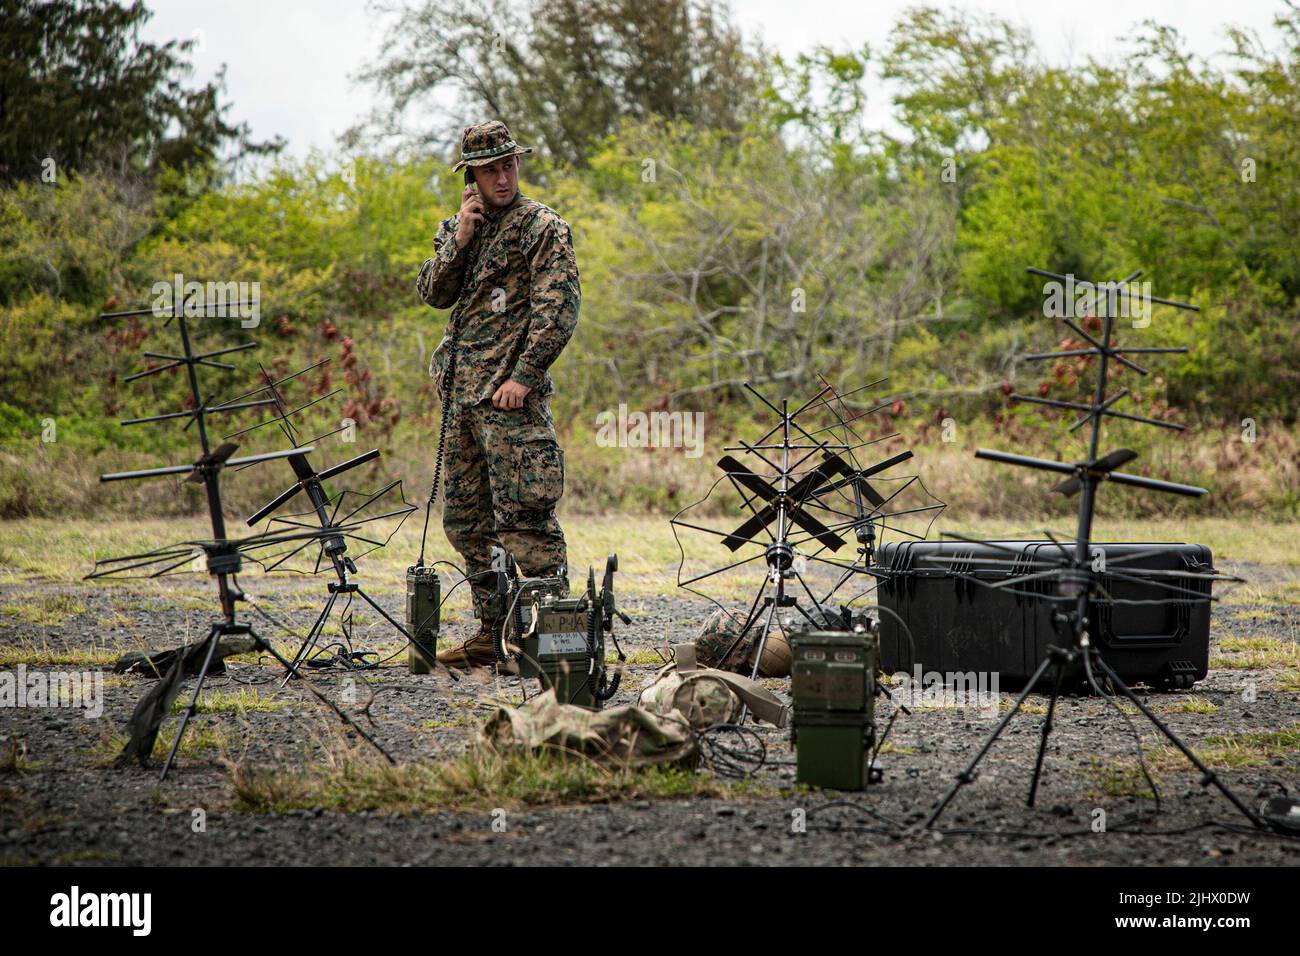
x,y
763,237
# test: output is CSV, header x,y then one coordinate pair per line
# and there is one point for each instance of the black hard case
x,y
959,625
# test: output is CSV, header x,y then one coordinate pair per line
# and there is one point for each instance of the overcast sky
x,y
290,63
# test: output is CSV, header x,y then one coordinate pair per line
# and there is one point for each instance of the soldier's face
x,y
498,181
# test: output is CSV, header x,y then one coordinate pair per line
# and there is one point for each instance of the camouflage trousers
x,y
505,473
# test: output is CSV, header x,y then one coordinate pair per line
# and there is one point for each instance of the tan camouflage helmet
x,y
486,143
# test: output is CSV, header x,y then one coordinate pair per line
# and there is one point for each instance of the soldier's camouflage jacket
x,y
516,295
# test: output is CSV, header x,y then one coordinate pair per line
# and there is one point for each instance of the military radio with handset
x,y
558,639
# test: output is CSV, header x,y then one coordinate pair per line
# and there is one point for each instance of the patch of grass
x,y
32,654
262,658
1250,749
1283,592
1255,653
201,742
1287,593
113,619
44,610
640,655
242,701
1005,703
61,549
1189,705
1220,752
192,602
1253,615
460,720
480,779
1289,681
1121,780
891,748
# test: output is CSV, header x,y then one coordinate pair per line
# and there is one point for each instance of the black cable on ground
x,y
741,758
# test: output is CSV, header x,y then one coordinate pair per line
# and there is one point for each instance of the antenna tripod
x,y
324,516
223,555
796,502
1079,588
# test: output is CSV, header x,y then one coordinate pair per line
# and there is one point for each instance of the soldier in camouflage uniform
x,y
505,266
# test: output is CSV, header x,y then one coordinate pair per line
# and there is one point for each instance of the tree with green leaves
x,y
79,89
562,73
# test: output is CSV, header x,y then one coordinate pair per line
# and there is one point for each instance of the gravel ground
x,y
66,805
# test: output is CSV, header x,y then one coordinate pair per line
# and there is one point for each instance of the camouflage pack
x,y
621,737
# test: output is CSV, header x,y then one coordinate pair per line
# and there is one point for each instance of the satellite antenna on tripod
x,y
872,513
223,554
1079,589
810,489
336,526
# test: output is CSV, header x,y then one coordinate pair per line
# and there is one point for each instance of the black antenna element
x,y
1079,590
806,492
338,518
223,554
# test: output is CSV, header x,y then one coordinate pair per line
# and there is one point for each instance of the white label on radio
x,y
563,642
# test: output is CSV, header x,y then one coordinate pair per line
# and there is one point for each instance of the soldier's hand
x,y
511,395
471,214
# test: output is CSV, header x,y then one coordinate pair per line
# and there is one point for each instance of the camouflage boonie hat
x,y
486,143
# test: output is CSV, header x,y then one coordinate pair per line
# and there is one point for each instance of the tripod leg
x,y
312,637
402,630
758,656
808,617
214,637
1047,730
384,614
968,775
762,641
838,584
820,610
1207,775
749,622
266,646
882,689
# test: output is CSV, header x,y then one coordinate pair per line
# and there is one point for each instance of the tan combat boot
x,y
478,651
